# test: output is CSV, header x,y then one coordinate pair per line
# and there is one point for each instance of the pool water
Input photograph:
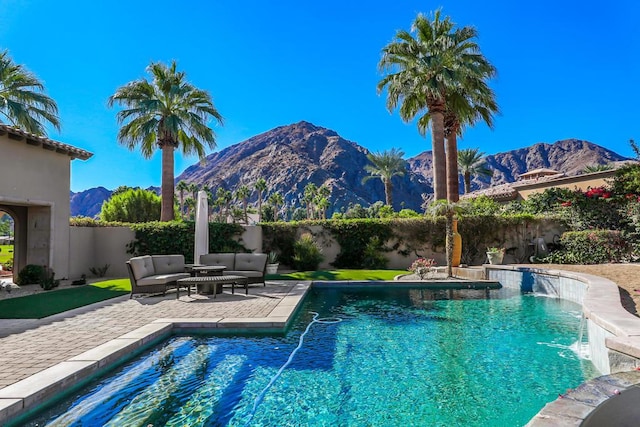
x,y
400,356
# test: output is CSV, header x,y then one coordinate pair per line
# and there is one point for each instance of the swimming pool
x,y
397,356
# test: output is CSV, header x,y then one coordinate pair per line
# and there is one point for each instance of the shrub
x,y
132,205
48,279
422,267
591,247
31,273
100,271
307,256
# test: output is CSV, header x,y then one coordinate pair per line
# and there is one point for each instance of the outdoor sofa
x,y
155,273
252,266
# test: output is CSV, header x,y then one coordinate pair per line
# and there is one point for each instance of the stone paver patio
x,y
31,346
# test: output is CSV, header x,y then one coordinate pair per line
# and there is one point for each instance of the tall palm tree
x,y
261,187
471,162
468,103
276,201
242,195
167,112
422,71
22,98
385,165
181,187
309,197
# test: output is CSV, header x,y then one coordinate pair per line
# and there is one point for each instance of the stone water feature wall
x,y
614,333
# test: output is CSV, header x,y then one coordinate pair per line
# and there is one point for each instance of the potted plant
x,y
272,263
495,255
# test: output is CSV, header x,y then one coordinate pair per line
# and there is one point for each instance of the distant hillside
x,y
289,157
569,156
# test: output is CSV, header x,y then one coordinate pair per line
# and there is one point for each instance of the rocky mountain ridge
x,y
289,157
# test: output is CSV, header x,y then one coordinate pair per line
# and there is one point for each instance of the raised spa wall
x,y
614,333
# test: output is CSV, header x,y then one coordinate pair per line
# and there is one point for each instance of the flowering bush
x,y
422,267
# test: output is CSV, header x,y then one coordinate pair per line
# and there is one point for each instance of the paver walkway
x,y
30,346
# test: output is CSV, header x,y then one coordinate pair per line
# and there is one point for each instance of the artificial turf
x,y
53,302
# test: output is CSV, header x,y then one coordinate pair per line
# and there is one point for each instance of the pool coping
x,y
27,395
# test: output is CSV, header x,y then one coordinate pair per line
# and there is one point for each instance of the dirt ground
x,y
626,276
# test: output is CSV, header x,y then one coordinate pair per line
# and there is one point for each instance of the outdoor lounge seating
x,y
155,273
252,266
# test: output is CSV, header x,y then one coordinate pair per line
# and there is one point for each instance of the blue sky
x,y
566,69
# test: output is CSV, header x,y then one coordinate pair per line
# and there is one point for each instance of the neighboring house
x,y
35,174
538,180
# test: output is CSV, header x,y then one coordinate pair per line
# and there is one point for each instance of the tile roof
x,y
46,143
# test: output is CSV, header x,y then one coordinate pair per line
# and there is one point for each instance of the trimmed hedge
x,y
177,237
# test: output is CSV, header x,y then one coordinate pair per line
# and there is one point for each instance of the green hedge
x,y
364,242
177,237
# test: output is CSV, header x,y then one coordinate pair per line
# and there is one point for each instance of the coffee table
x,y
204,283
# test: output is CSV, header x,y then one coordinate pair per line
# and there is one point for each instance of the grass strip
x,y
339,275
57,301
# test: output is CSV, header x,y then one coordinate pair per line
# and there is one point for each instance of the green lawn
x,y
52,302
339,275
6,253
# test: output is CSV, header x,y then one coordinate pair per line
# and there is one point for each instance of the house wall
x,y
580,182
35,182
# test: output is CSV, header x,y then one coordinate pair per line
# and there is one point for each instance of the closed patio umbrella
x,y
201,245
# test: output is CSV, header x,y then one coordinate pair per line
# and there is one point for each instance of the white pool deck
x,y
41,358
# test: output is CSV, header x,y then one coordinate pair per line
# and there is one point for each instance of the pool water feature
x,y
398,356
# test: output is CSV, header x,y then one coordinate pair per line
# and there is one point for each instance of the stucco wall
x,y
38,179
93,247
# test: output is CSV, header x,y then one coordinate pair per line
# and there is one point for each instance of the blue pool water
x,y
398,357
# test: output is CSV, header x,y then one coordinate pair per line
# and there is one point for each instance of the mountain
x,y
289,157
569,156
89,202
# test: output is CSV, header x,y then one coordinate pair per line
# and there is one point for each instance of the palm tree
x,y
471,162
167,112
385,165
242,194
422,71
597,168
276,200
449,211
470,102
310,194
22,98
181,187
261,187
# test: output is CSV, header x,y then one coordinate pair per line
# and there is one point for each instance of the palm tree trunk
x,y
449,232
259,206
453,185
467,182
387,190
439,165
166,210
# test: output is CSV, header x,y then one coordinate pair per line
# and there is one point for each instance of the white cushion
x,y
142,266
161,279
218,259
255,262
167,264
